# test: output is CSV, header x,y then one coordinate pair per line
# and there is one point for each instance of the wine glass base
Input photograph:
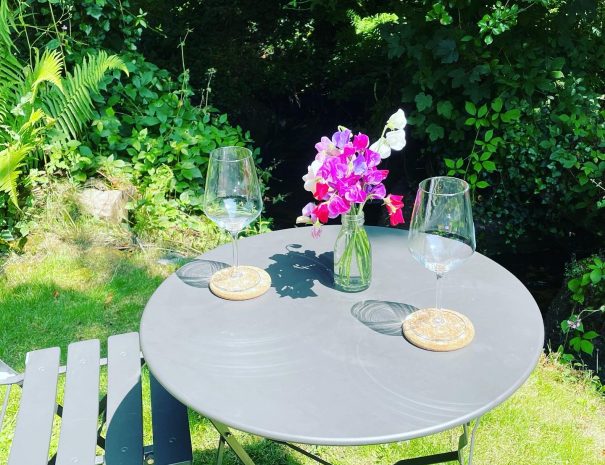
x,y
247,283
440,330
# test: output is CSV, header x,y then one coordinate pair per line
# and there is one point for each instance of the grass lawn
x,y
68,291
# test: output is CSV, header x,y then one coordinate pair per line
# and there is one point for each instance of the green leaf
x,y
488,39
586,346
446,51
590,335
470,108
511,115
449,163
423,101
488,135
482,184
557,74
489,165
444,108
595,276
435,132
482,111
497,105
85,151
459,163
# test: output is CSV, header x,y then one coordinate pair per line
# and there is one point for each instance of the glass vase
x,y
352,255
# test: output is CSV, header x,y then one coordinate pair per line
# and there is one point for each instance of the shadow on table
x,y
382,316
294,273
198,272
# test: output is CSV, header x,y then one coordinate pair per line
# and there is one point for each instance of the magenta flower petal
x,y
361,141
356,194
359,165
337,206
372,158
375,176
378,191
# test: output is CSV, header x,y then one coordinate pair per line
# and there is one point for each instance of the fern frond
x,y
48,69
11,160
6,21
10,69
73,108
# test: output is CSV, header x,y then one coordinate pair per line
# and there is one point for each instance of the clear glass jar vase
x,y
352,255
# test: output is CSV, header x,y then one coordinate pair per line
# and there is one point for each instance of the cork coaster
x,y
254,282
455,331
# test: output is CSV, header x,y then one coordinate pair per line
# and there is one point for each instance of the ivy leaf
x,y
435,132
444,108
423,101
446,51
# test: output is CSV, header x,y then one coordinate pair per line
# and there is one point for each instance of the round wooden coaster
x,y
453,332
254,282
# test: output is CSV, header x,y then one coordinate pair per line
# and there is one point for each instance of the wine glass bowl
x,y
441,238
232,200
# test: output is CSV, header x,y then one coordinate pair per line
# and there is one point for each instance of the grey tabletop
x,y
309,364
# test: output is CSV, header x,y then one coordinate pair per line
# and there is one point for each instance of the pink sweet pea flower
x,y
372,158
355,194
321,191
341,138
322,212
377,192
375,176
337,206
360,141
394,206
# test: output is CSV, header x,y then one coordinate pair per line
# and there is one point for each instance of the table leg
x,y
453,456
464,441
220,451
236,447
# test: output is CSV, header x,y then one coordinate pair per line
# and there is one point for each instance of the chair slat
x,y
171,435
38,403
124,441
78,438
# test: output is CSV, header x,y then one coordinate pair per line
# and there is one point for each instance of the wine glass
x,y
232,199
441,237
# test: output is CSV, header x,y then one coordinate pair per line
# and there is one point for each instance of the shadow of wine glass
x,y
293,274
198,272
382,316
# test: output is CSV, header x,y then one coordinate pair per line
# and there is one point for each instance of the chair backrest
x,y
83,417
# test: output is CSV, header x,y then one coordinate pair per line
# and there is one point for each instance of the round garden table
x,y
306,363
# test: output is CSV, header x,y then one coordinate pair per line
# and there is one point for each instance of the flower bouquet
x,y
343,178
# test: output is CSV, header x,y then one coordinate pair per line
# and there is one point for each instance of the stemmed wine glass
x,y
232,199
441,237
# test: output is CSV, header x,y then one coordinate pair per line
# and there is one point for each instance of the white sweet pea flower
x,y
396,139
397,121
311,179
382,147
393,136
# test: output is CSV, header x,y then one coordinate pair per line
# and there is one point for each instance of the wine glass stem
x,y
235,263
439,319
